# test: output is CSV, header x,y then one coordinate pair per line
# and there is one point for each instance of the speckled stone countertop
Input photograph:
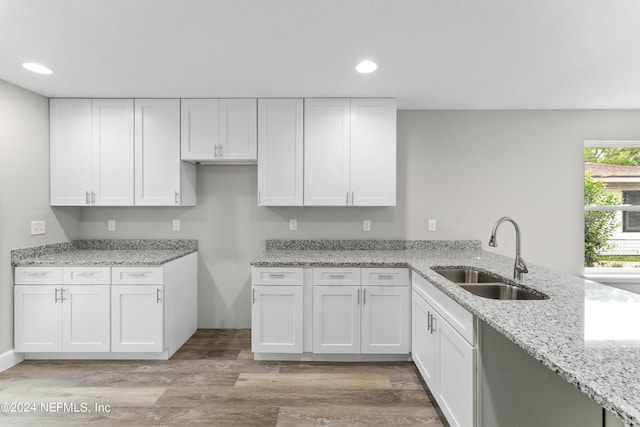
x,y
587,333
105,252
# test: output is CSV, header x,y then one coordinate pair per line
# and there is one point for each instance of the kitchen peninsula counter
x,y
585,332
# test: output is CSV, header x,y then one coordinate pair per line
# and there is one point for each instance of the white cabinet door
x,y
161,177
199,129
37,321
137,320
456,373
276,319
86,318
70,152
336,319
112,152
385,319
373,152
424,350
327,156
238,123
280,152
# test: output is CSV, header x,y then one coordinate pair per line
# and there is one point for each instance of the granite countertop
x,y
104,252
586,332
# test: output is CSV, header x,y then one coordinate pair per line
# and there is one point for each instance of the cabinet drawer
x,y
336,276
385,276
38,276
459,318
86,275
137,275
276,276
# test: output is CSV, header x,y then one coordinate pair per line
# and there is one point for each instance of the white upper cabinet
x,y
373,152
91,152
199,129
219,130
327,154
350,152
280,152
112,127
161,177
70,151
238,123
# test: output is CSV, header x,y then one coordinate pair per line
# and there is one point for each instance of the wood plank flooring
x,y
214,381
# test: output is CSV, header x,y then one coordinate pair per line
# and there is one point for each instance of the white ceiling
x,y
432,54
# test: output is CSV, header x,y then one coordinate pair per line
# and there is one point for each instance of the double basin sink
x,y
487,285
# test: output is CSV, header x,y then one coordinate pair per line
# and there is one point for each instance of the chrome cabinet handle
x,y
358,302
220,151
352,198
347,198
93,198
86,273
136,274
157,295
62,298
215,150
254,296
35,274
364,296
259,198
428,321
176,198
87,198
56,295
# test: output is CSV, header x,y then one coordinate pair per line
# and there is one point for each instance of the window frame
x,y
612,274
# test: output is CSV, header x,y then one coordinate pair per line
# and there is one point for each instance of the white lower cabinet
x,y
362,311
444,350
340,311
276,310
62,318
137,318
149,310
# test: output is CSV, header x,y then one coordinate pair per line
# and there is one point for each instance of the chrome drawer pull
x,y
136,274
336,276
36,274
276,276
385,276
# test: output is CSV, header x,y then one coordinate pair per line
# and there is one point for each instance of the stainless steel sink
x,y
502,291
467,275
487,285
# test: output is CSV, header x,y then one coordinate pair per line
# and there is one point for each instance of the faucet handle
x,y
521,266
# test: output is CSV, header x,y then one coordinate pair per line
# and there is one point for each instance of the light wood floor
x,y
213,380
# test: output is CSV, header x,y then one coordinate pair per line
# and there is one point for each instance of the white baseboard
x,y
9,359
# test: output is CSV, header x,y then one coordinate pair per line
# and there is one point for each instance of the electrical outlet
x,y
432,225
38,227
366,225
111,225
293,224
176,225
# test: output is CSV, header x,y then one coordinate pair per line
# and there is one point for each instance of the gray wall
x,y
463,168
24,189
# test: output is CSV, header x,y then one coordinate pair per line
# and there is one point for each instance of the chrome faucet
x,y
520,267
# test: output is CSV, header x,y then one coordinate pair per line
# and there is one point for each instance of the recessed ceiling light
x,y
366,67
37,68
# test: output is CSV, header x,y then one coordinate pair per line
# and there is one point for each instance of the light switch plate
x,y
38,227
432,225
176,225
293,224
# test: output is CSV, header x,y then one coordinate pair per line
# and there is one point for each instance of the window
x,y
612,206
